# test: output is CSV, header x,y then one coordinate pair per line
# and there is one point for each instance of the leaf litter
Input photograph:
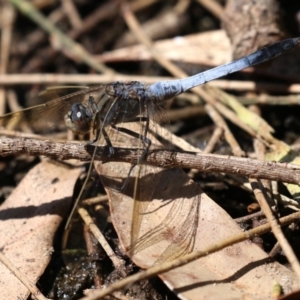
x,y
222,267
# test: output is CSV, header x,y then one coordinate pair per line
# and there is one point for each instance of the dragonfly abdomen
x,y
164,90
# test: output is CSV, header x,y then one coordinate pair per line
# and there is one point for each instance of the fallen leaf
x,y
176,217
29,219
194,49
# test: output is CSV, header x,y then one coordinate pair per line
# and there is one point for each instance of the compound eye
x,y
79,119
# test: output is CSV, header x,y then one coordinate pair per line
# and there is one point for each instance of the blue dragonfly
x,y
105,107
108,105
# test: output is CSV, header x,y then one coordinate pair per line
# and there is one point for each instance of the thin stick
x,y
172,138
219,121
36,293
95,200
246,86
185,113
215,138
59,79
276,228
72,13
118,263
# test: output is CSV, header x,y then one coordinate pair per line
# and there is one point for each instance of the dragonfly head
x,y
79,119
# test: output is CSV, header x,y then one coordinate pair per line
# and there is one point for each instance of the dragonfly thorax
x,y
128,101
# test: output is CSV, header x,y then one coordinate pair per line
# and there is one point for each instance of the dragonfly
x,y
104,107
108,105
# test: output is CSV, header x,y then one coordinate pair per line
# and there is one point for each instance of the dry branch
x,y
163,158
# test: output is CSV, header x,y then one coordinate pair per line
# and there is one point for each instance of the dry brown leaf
x,y
209,49
29,219
239,270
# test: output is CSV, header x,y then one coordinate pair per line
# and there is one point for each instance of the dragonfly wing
x,y
173,219
160,225
196,280
149,221
49,115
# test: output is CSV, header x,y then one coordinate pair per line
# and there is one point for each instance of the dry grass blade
x,y
7,19
71,47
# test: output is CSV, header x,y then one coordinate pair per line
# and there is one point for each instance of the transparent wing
x,y
156,224
50,114
149,216
175,230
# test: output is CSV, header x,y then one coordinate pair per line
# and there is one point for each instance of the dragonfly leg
x,y
97,125
108,142
146,141
97,135
143,137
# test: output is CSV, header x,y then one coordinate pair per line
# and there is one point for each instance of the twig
x,y
15,106
72,13
256,215
164,267
185,113
276,228
92,251
260,151
289,202
166,159
95,200
22,277
118,263
172,138
270,100
20,79
219,121
256,86
216,136
104,12
250,86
